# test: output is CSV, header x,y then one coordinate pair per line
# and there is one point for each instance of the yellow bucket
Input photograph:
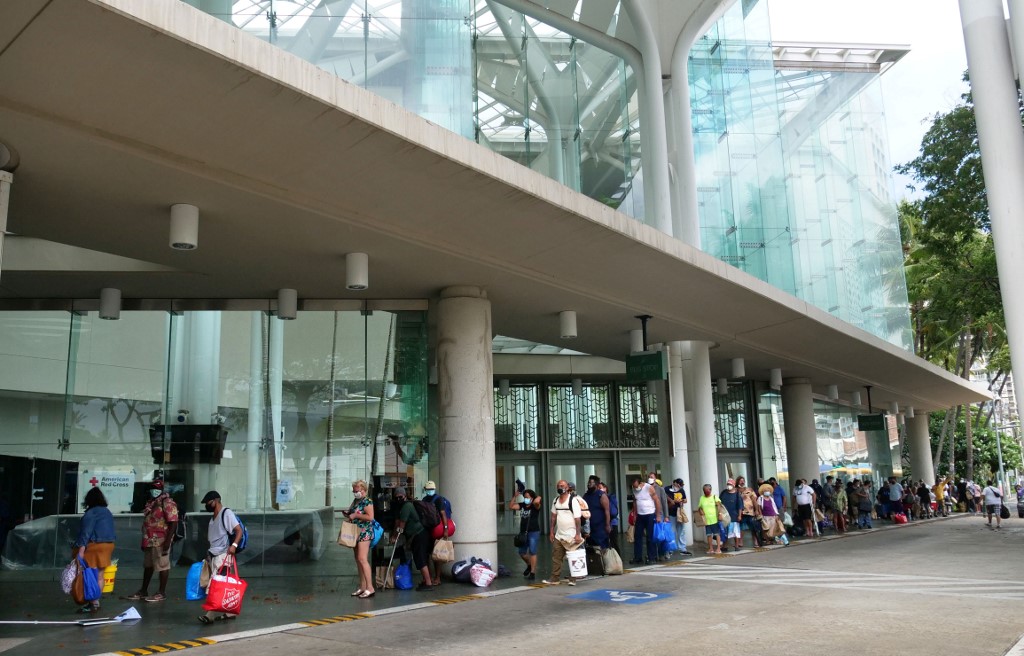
x,y
109,574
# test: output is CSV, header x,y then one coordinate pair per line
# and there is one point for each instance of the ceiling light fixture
x,y
184,227
567,324
775,379
287,304
110,303
357,271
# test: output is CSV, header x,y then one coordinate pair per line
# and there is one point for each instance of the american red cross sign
x,y
94,481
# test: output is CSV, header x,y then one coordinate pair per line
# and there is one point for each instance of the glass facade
x,y
793,179
843,451
279,416
519,87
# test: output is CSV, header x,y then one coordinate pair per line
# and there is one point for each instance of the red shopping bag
x,y
227,589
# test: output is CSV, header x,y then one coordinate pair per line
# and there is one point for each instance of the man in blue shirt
x,y
779,495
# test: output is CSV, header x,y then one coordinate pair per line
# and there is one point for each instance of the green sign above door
x,y
649,365
871,423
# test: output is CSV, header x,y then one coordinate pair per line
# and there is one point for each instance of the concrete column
x,y
466,417
5,200
1001,139
703,407
801,435
678,463
921,466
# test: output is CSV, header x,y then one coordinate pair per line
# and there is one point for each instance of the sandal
x,y
136,596
204,619
357,593
157,597
366,594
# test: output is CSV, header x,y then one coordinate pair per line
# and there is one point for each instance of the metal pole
x,y
1002,473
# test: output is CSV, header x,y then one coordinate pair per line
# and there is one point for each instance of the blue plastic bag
x,y
91,586
664,537
194,591
403,577
378,532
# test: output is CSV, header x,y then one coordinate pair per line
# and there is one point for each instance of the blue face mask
x,y
429,493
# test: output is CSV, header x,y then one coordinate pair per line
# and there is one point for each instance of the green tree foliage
x,y
950,266
986,454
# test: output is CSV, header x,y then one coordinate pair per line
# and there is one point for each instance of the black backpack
x,y
427,513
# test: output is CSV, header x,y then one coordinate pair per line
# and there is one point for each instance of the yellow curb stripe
x,y
157,648
123,653
338,618
140,651
191,643
206,641
174,645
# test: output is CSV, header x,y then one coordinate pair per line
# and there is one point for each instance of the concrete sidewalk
x,y
701,602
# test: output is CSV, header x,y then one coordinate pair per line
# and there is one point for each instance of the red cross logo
x,y
94,481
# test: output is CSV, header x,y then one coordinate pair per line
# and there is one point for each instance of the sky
x,y
925,81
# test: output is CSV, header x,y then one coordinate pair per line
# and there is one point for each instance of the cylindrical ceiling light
x,y
910,412
110,303
775,379
567,324
894,407
723,386
636,341
577,387
184,227
833,392
855,399
503,387
357,271
287,304
739,368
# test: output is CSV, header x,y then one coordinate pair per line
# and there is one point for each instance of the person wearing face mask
x,y
444,528
648,511
159,518
769,514
529,524
566,531
732,501
360,513
805,497
224,534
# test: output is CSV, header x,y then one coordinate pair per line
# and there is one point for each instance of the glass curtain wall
x,y
793,179
280,417
517,86
843,451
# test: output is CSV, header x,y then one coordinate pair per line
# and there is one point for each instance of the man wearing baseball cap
x,y
159,519
443,530
224,534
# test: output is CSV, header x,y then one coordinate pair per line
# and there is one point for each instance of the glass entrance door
x,y
506,475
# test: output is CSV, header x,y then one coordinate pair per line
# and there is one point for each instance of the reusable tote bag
x,y
227,589
348,536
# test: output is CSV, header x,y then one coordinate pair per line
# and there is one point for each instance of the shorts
x,y
420,546
154,558
532,540
713,529
804,513
733,531
992,509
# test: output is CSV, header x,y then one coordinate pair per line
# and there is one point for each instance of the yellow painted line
x,y
334,620
193,643
157,648
123,653
206,641
174,645
140,652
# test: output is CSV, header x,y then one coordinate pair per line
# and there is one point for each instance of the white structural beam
x,y
1001,140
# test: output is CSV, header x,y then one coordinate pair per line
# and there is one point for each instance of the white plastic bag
x,y
481,576
67,576
787,519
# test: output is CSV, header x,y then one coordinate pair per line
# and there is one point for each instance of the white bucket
x,y
577,563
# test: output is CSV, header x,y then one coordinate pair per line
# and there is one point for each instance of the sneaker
x,y
571,581
136,596
157,597
687,553
526,572
551,582
531,577
423,587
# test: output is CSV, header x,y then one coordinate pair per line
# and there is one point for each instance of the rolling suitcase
x,y
595,562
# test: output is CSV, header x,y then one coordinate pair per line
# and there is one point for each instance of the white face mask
x,y
526,499
651,481
728,487
155,493
358,494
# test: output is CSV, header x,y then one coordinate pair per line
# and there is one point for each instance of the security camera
x,y
182,416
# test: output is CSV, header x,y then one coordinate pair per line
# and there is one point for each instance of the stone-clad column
x,y
466,413
921,467
801,434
